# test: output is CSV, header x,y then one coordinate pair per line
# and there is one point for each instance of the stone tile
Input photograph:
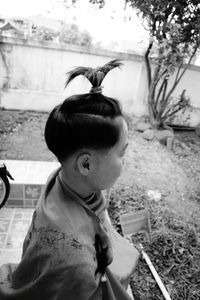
x,y
33,191
2,240
35,203
28,203
28,216
2,237
24,210
10,256
18,215
14,241
4,225
16,191
20,226
6,213
15,202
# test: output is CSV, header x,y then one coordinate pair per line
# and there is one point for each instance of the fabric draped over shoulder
x,y
65,252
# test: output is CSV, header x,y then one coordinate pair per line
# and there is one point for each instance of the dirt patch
x,y
175,245
22,136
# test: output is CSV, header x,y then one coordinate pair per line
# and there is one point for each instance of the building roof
x,y
8,24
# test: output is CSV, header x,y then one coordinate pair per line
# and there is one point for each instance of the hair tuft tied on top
x,y
94,75
97,90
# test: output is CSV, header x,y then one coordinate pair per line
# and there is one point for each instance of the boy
x,y
71,243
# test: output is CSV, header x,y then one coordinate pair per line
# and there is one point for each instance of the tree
x,y
174,37
174,28
44,33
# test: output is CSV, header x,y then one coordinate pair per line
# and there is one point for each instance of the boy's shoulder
x,y
57,245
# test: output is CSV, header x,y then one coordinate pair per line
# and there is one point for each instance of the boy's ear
x,y
84,163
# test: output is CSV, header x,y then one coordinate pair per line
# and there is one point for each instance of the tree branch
x,y
172,113
147,62
160,89
177,79
163,101
180,105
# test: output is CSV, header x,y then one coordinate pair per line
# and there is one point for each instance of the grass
x,y
174,248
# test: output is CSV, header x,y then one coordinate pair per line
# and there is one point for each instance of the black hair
x,y
85,120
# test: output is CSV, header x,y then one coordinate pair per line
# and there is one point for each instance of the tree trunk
x,y
152,116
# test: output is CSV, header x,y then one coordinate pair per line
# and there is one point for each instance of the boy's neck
x,y
76,184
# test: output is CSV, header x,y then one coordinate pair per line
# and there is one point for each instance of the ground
x,y
149,166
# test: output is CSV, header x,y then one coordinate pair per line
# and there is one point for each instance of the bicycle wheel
x,y
4,190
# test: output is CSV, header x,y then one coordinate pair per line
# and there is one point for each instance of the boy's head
x,y
86,123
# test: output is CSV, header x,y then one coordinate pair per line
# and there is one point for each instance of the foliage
x,y
174,37
70,33
45,34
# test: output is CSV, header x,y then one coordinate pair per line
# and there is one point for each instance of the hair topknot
x,y
94,75
85,121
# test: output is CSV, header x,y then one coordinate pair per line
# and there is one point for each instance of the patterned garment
x,y
66,250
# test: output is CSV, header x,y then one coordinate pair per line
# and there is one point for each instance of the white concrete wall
x,y
40,69
38,73
26,100
191,82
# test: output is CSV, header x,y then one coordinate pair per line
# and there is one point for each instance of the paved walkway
x,y
29,172
14,224
29,179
